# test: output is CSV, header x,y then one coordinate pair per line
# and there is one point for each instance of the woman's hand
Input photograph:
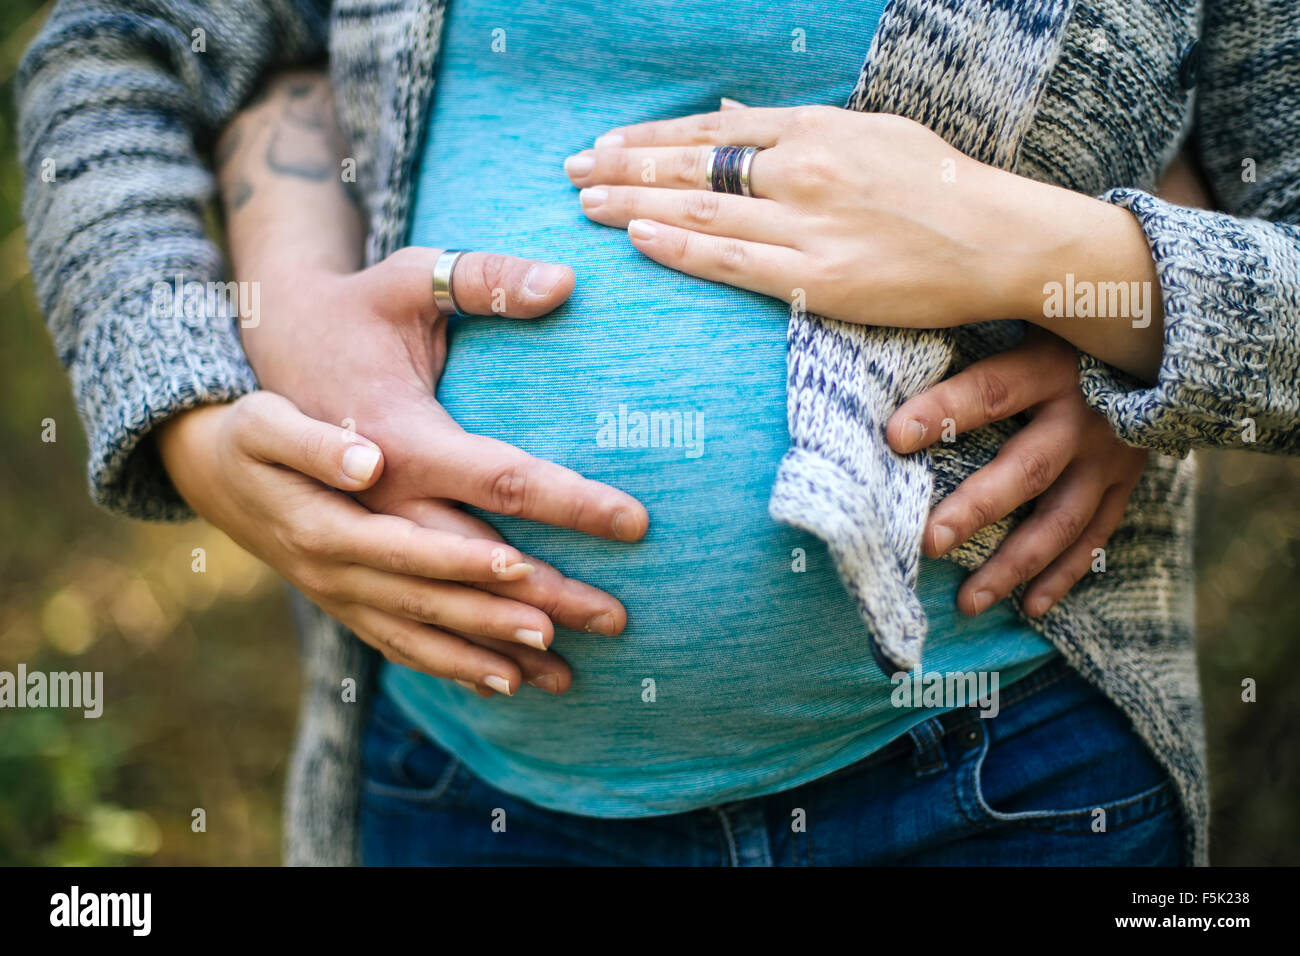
x,y
869,218
264,473
1067,458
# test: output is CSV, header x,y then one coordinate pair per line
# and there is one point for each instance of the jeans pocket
x,y
403,770
1081,771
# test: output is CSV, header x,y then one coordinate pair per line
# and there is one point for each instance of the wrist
x,y
185,439
1094,282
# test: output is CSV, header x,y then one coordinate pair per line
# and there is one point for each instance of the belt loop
x,y
927,738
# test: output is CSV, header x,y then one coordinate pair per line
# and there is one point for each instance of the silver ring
x,y
727,169
444,296
745,165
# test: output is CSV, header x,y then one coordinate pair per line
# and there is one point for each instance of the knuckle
x,y
708,124
994,396
311,445
731,255
1064,526
401,259
678,244
315,581
1021,568
396,645
1036,471
308,538
413,604
700,208
815,169
398,553
983,512
688,166
808,118
251,412
485,272
578,511
509,489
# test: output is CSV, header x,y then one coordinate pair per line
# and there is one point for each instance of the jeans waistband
x,y
955,721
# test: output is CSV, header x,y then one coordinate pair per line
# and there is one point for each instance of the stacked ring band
x,y
443,294
728,169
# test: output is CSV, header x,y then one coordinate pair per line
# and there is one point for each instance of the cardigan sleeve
x,y
119,102
1230,281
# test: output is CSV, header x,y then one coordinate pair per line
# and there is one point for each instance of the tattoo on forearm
x,y
306,148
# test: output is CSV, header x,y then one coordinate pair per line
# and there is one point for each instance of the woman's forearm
x,y
1091,278
287,185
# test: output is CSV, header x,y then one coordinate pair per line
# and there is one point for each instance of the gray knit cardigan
x,y
1094,95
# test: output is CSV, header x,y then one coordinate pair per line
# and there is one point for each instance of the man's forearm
x,y
289,197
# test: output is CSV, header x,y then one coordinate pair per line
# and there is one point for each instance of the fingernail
x,y
641,229
982,600
593,196
542,278
515,572
609,141
359,462
1038,606
578,166
624,527
602,624
498,684
532,638
913,434
942,537
727,103
547,682
467,685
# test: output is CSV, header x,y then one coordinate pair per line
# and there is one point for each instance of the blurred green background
x,y
202,673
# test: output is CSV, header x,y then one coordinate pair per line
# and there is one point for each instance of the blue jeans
x,y
1058,777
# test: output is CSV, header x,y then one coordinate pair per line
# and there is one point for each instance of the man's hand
x,y
363,350
1066,457
366,349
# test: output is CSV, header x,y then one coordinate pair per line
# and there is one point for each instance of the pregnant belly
x,y
673,390
744,666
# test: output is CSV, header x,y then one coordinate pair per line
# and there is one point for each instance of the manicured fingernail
x,y
913,434
942,537
1037,607
532,638
602,624
543,278
641,229
609,141
467,685
515,571
624,527
498,684
578,166
547,682
359,462
592,197
727,103
982,600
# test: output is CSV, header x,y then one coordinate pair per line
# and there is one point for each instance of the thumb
x,y
482,283
272,429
